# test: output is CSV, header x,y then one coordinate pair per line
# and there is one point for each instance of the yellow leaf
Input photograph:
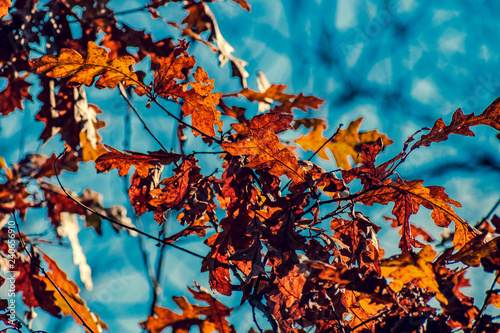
x,y
346,143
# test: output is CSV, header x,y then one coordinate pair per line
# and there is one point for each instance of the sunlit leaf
x,y
70,63
347,143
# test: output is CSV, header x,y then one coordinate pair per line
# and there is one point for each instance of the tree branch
x,y
125,97
115,221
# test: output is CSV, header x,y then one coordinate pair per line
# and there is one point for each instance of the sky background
x,y
399,64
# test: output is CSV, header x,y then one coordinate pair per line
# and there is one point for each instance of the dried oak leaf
x,y
346,143
207,318
476,249
408,196
494,299
415,268
142,162
284,299
12,96
69,114
460,124
201,103
275,92
177,187
37,166
70,291
70,63
265,151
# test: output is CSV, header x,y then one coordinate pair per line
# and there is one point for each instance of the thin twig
x,y
23,244
317,150
125,97
492,210
154,99
115,221
137,222
326,141
485,303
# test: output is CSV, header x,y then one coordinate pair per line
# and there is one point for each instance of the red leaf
x,y
142,162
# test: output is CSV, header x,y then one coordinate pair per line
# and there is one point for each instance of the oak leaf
x,y
476,249
347,143
207,318
415,268
408,196
4,7
243,3
460,124
275,92
142,162
177,187
200,103
70,63
70,291
265,151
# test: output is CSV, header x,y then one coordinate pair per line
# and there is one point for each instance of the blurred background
x,y
399,64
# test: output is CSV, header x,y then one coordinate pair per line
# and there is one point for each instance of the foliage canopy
x,y
283,233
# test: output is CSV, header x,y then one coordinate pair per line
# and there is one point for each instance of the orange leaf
x,y
346,143
243,4
142,162
70,291
177,187
472,253
201,104
416,268
208,318
289,101
409,195
266,151
460,124
70,63
494,299
4,7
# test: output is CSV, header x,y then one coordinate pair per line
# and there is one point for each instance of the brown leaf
x,y
289,101
408,196
201,104
142,162
177,187
346,143
494,299
476,249
69,114
207,318
265,151
460,124
70,291
16,91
